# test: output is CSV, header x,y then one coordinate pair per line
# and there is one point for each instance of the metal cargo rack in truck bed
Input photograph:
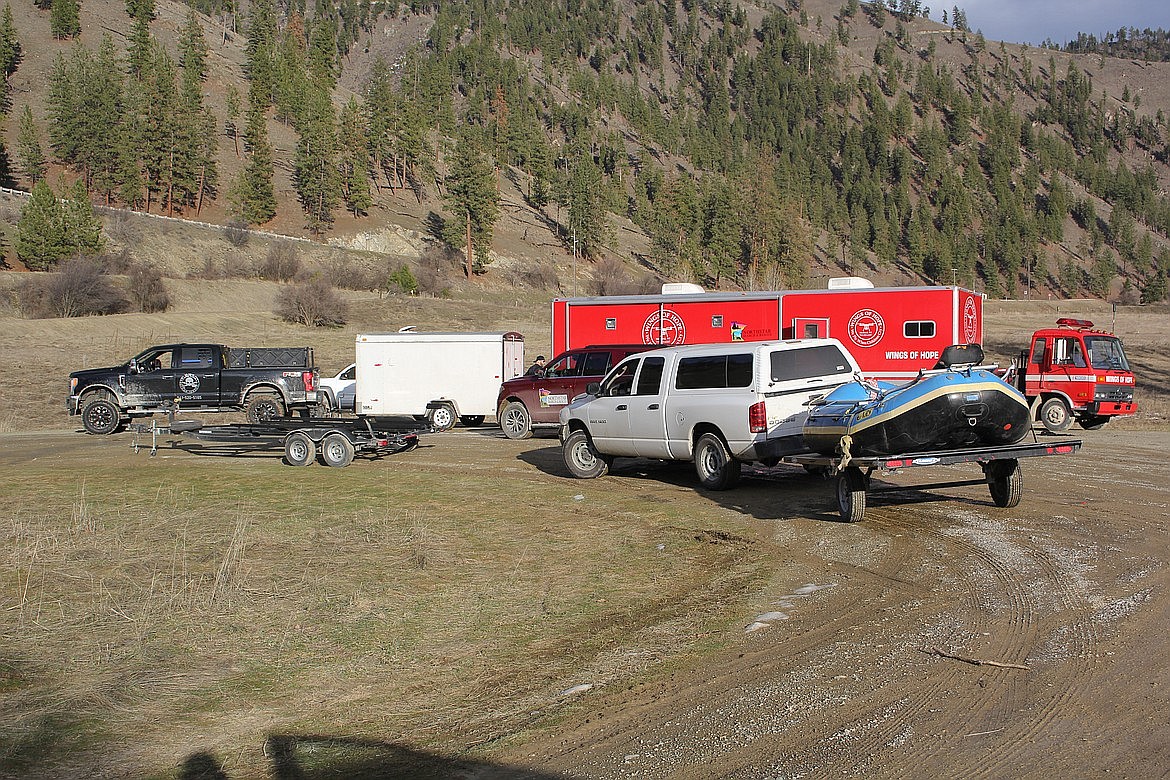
x,y
1001,471
336,441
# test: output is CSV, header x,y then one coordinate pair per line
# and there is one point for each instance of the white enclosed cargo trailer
x,y
445,376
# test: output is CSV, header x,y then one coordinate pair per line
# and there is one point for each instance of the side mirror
x,y
593,388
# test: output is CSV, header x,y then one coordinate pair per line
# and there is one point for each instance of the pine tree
x,y
28,148
83,230
230,127
10,55
260,52
471,196
253,195
65,19
354,162
317,180
40,233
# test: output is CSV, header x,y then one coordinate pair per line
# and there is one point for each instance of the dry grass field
x,y
465,609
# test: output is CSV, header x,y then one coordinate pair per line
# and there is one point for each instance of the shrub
x,y
147,290
313,303
542,276
236,233
402,279
346,274
78,289
435,268
281,264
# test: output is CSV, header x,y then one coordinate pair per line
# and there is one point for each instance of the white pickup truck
x,y
715,404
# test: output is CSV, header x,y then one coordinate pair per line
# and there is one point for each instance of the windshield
x,y
1105,353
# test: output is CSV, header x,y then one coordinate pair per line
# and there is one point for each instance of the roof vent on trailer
x,y
681,288
849,283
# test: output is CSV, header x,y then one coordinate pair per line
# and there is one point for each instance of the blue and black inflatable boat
x,y
959,403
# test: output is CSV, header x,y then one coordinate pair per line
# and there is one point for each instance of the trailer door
x,y
810,328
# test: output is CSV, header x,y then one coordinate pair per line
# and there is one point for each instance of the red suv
x,y
528,402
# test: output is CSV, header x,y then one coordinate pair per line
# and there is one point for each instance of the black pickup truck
x,y
266,383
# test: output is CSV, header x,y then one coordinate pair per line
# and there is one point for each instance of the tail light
x,y
310,380
758,418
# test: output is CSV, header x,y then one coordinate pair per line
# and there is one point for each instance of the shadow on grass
x,y
311,757
784,492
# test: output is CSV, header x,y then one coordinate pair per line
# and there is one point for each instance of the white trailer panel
x,y
407,373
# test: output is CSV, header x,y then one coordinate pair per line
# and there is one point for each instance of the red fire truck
x,y
1073,372
893,332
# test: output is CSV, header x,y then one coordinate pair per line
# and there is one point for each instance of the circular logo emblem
x,y
866,328
664,327
970,322
189,383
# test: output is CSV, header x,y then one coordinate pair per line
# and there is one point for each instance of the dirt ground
x,y
942,636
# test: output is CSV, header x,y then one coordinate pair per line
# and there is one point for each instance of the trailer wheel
x,y
516,421
716,468
1055,415
1005,482
100,416
336,450
442,417
1092,422
263,407
299,449
851,494
582,459
471,420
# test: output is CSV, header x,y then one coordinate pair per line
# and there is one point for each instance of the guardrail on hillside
x,y
181,220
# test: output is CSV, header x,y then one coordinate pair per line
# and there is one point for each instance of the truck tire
x,y
716,468
1055,415
516,421
336,450
299,449
442,417
1093,422
582,459
263,407
100,415
471,420
851,486
1005,482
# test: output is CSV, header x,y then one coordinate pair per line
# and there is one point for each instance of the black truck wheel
x,y
100,416
299,449
1055,415
336,450
582,459
716,468
1005,482
851,494
516,421
263,407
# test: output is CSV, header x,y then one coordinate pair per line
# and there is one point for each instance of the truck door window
x,y
595,364
566,366
650,380
1038,350
621,381
1067,352
196,358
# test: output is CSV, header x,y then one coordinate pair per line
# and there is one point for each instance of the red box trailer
x,y
891,331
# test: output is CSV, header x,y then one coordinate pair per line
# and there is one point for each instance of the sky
x,y
1033,21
